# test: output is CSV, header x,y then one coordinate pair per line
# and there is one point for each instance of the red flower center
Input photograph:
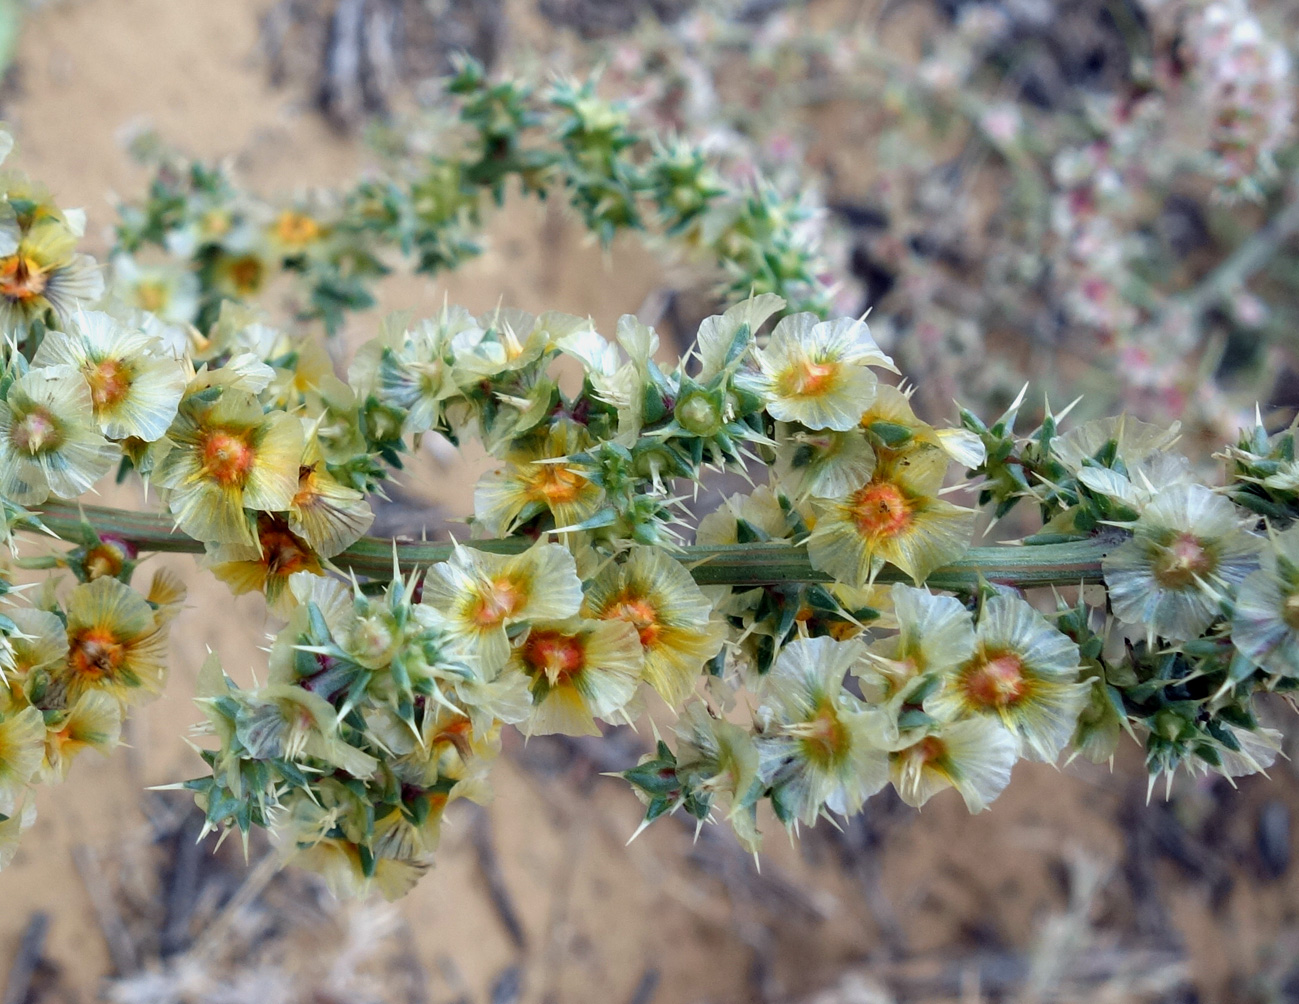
x,y
456,733
554,653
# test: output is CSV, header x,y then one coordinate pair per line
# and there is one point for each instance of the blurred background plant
x,y
1066,192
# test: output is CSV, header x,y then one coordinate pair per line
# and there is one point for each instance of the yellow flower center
x,y
21,278
215,223
110,382
372,638
809,379
151,295
825,739
36,432
296,230
880,510
228,458
1181,562
995,682
554,653
499,601
96,654
843,630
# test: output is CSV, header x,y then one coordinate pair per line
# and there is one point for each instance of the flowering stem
x,y
1064,564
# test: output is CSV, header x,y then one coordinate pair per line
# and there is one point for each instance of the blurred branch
x,y
1252,255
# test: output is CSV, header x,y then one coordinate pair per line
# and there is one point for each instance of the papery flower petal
x,y
974,756
1024,672
672,618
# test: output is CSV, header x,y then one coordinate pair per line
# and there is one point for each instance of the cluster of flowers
x,y
1061,220
220,243
574,604
71,669
806,671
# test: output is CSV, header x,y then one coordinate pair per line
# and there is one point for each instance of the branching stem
x,y
1067,564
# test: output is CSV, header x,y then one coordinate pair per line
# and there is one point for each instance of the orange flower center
x,y
640,613
1182,562
499,601
36,432
228,458
809,379
880,510
456,734
21,278
996,682
554,653
96,654
103,559
307,489
246,273
557,485
282,551
296,230
110,382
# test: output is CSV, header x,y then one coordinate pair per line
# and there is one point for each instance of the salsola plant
x,y
815,639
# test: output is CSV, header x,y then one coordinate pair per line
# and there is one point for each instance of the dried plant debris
x,y
1074,959
356,55
188,926
602,18
1057,50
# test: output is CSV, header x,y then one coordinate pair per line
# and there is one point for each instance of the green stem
x,y
1068,564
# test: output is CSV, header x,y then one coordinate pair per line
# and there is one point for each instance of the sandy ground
x,y
596,914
